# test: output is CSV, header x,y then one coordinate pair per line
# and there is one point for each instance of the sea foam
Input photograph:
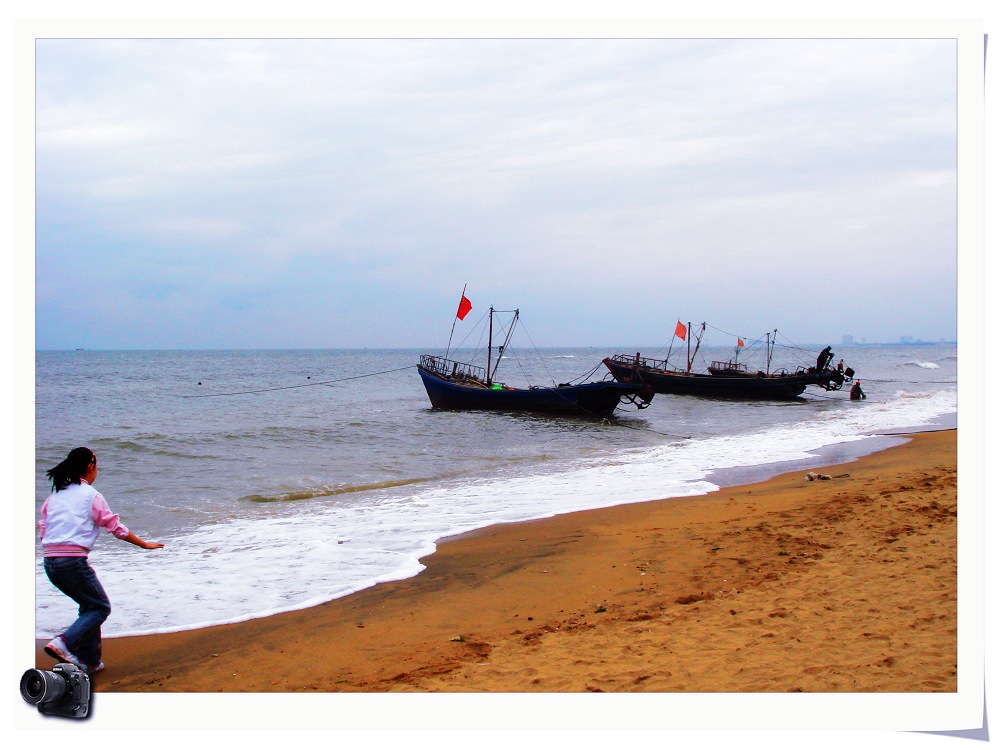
x,y
253,566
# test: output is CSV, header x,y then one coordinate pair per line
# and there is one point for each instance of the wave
x,y
251,565
298,495
147,444
924,365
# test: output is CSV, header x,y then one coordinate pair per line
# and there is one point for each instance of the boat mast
x,y
689,346
697,345
491,369
448,350
489,353
769,346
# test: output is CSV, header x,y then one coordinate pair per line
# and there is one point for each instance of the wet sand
x,y
846,584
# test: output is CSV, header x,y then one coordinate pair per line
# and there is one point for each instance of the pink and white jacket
x,y
72,518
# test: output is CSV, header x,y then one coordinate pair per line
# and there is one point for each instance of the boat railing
x,y
729,366
635,360
452,370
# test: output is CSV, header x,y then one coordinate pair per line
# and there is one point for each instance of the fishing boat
x,y
728,379
463,386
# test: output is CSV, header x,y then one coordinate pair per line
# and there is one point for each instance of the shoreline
x,y
846,585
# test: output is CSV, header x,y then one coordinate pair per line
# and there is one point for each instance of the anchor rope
x,y
300,385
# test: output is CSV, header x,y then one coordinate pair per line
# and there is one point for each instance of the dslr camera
x,y
63,691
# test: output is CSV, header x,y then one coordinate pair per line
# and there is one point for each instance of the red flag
x,y
681,331
463,308
739,342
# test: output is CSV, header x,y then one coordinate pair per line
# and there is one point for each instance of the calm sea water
x,y
282,479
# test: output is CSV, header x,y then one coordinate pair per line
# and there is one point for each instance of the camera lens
x,y
33,686
40,685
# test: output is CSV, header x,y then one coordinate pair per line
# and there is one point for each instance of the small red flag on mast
x,y
681,331
739,342
463,308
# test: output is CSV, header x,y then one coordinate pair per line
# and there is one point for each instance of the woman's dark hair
x,y
71,469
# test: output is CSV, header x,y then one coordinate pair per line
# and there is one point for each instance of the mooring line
x,y
301,385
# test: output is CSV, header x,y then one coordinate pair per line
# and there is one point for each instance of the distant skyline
x,y
719,341
339,193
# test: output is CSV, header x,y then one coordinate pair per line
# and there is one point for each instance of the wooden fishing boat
x,y
729,379
462,386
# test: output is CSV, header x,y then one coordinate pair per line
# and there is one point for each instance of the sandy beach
x,y
846,584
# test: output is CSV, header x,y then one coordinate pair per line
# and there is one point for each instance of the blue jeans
x,y
75,578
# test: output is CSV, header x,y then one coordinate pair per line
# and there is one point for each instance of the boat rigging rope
x,y
579,379
587,375
756,343
482,332
752,344
604,420
301,385
805,353
647,429
814,395
537,354
541,360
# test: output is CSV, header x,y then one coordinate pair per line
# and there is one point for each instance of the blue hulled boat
x,y
462,386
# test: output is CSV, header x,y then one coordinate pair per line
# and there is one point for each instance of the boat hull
x,y
598,399
743,386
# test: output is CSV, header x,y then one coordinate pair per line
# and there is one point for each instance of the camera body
x,y
63,691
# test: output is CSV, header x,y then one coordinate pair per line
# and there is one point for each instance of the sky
x,y
333,192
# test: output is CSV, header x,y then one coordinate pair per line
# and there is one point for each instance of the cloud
x,y
554,171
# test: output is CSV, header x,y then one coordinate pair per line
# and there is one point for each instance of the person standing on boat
x,y
856,393
71,519
823,360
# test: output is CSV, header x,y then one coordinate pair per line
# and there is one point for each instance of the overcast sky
x,y
340,193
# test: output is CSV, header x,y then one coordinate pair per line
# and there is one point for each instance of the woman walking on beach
x,y
72,517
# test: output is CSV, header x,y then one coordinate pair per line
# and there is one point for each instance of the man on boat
x,y
856,393
823,360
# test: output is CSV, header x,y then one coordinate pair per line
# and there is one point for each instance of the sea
x,y
278,480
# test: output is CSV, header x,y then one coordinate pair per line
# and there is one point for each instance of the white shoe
x,y
58,650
